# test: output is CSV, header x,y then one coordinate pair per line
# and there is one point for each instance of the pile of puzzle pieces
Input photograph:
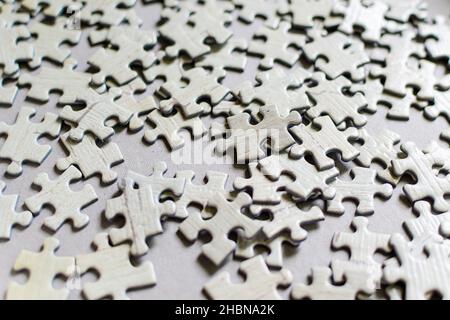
x,y
324,67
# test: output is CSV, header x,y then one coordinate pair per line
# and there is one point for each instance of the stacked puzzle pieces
x,y
324,68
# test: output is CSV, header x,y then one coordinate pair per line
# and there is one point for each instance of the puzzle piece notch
x,y
227,219
11,16
437,38
109,12
51,8
305,12
8,215
67,204
43,267
21,143
90,158
362,188
251,9
14,50
116,273
320,139
260,283
142,215
168,127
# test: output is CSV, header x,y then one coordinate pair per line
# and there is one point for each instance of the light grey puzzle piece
x,y
304,12
92,118
277,45
21,143
67,204
109,12
247,138
14,50
43,267
10,14
227,219
48,40
402,10
8,215
168,127
51,8
72,85
438,38
328,99
428,183
379,149
440,105
137,35
90,158
307,179
320,139
201,84
200,194
362,189
142,216
260,283
278,88
362,244
336,54
421,275
165,68
8,92
367,15
246,249
250,9
116,273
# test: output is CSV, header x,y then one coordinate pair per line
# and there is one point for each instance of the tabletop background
x,y
181,271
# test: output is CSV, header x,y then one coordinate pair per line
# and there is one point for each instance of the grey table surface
x,y
181,271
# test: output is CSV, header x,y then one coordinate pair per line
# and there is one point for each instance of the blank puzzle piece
x,y
13,50
21,143
8,215
260,283
438,38
250,9
362,189
109,12
90,158
67,204
43,267
142,216
304,12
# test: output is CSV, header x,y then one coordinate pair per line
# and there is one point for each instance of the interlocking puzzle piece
x,y
304,12
421,167
247,138
109,12
362,188
336,54
7,93
307,179
276,88
288,217
260,283
67,204
8,215
168,127
379,149
362,244
263,189
48,40
90,158
142,215
230,56
277,45
14,50
369,16
328,98
438,38
116,273
321,287
138,108
398,71
440,106
200,194
246,249
320,139
10,14
165,68
21,143
227,219
158,182
402,10
116,64
72,85
52,8
399,107
250,9
93,116
421,275
111,35
43,267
